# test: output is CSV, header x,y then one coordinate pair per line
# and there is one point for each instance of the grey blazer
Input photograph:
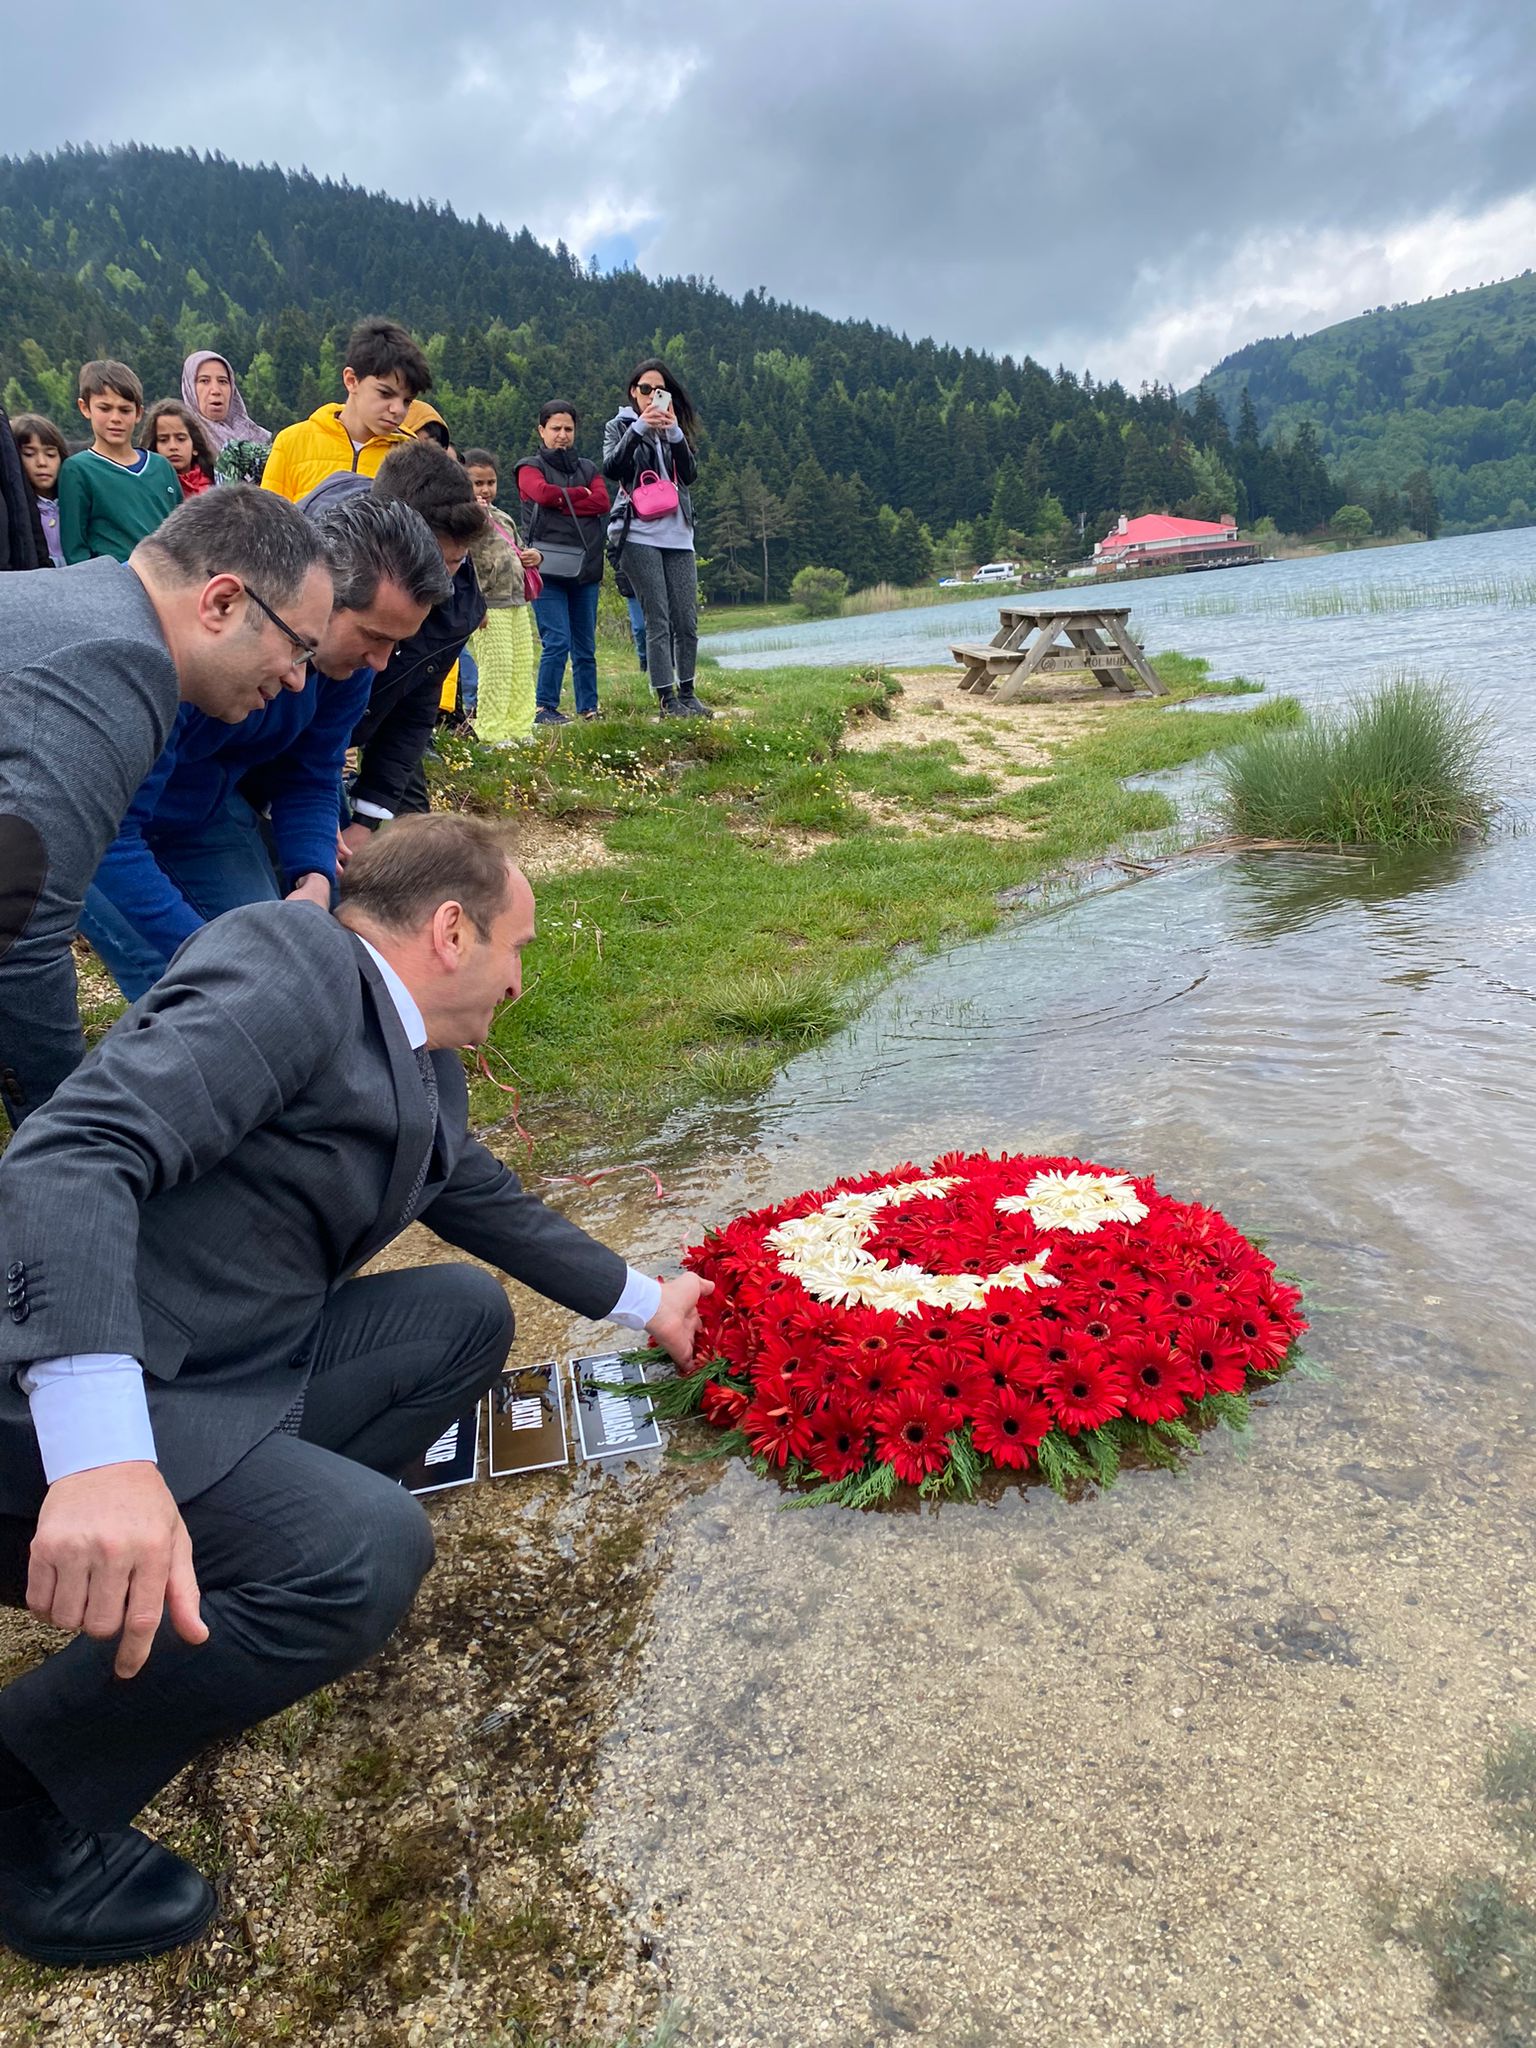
x,y
239,1144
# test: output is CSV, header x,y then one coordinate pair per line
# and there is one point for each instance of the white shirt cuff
x,y
88,1410
368,810
638,1303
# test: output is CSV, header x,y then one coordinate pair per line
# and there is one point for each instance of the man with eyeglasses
x,y
245,814
212,609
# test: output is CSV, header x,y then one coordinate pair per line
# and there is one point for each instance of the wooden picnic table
x,y
1034,640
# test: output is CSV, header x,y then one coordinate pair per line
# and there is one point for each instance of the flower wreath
x,y
920,1327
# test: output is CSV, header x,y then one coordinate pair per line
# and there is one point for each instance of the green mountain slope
x,y
1448,385
830,442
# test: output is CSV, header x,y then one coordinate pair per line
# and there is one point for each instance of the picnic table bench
x,y
1056,640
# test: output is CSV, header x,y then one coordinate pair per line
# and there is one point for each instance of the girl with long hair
x,y
649,454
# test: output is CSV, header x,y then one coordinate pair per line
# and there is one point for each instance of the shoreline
x,y
402,1856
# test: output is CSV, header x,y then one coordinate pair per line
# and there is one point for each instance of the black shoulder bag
x,y
563,558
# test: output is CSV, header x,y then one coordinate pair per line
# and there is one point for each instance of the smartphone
x,y
661,398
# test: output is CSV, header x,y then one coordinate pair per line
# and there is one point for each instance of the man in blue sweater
x,y
194,843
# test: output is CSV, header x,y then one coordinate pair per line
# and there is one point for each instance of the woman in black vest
x,y
565,502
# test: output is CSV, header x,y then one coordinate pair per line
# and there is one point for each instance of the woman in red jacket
x,y
565,505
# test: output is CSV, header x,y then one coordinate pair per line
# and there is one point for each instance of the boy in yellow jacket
x,y
385,371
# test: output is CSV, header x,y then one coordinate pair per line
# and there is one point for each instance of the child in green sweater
x,y
112,494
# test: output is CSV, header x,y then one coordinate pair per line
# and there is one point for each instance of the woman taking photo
x,y
648,452
564,502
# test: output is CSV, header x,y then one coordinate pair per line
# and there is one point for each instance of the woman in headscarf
x,y
208,386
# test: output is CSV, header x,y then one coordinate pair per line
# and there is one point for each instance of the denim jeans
x,y
469,684
637,627
216,866
567,616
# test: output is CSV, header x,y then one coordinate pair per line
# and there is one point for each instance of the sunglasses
x,y
649,390
306,649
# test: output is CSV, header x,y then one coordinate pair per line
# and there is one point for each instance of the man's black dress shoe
x,y
71,1898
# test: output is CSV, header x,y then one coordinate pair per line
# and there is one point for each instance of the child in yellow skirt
x,y
505,648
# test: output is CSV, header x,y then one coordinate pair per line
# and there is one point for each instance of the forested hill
x,y
1449,384
833,442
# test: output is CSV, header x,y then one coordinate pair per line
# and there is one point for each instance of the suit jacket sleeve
x,y
229,1035
485,1211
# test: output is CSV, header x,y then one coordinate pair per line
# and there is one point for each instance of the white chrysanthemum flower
x,y
1079,1202
1030,1273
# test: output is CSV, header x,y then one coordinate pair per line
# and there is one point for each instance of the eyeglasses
x,y
307,650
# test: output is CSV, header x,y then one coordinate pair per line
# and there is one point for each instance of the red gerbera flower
x,y
912,1435
1263,1341
783,1355
1161,1379
1185,1295
866,1387
761,1289
868,1333
1018,1363
777,1427
1009,1425
1213,1355
953,1386
723,1405
839,1443
1088,1387
938,1333
1284,1303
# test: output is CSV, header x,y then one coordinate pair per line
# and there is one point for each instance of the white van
x,y
997,572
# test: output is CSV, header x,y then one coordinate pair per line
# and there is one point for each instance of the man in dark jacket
x,y
394,732
203,1423
220,607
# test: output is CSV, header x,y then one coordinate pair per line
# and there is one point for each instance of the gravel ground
x,y
399,1856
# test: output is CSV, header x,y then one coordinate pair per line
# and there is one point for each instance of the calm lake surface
x,y
1036,1770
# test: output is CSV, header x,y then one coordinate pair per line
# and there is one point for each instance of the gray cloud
x,y
1134,188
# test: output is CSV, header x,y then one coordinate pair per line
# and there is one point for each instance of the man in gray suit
x,y
204,1414
220,607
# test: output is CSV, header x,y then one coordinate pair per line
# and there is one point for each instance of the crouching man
x,y
203,1415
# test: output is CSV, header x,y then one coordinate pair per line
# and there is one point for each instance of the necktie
x,y
429,1089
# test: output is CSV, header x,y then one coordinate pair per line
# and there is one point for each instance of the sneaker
x,y
545,715
690,706
586,714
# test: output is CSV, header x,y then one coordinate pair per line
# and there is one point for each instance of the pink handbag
x,y
654,496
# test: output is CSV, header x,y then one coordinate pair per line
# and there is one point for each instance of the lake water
x,y
1160,1765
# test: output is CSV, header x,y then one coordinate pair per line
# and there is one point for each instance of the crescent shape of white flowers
x,y
825,1251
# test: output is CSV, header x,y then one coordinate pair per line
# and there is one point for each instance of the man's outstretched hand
x,y
111,1556
675,1324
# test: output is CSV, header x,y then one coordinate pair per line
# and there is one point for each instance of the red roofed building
x,y
1158,540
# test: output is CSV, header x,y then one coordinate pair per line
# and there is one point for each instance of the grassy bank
x,y
732,884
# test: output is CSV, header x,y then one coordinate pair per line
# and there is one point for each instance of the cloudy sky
x,y
1132,189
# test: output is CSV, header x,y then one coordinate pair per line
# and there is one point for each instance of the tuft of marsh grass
x,y
1479,1940
1364,600
1509,1786
785,1008
1406,765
